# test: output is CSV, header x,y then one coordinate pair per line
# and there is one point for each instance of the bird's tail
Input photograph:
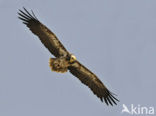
x,y
50,64
56,66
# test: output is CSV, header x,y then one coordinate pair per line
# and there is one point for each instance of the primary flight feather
x,y
65,61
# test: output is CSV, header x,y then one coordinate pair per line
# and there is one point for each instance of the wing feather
x,y
47,37
92,81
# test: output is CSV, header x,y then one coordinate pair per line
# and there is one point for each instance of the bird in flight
x,y
65,61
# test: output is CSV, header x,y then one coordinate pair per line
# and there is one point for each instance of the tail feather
x,y
50,64
56,66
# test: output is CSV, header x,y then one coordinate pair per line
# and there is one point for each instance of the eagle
x,y
65,61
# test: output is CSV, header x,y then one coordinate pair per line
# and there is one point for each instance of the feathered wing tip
x,y
110,99
25,16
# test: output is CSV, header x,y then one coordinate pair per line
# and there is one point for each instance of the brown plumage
x,y
58,64
65,61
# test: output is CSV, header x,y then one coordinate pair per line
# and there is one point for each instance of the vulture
x,y
65,61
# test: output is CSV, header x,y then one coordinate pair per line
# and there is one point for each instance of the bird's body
x,y
65,61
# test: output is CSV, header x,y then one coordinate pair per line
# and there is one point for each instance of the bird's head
x,y
72,58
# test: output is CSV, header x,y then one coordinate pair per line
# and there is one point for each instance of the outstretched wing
x,y
47,37
91,80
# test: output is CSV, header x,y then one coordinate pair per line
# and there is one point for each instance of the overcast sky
x,y
116,39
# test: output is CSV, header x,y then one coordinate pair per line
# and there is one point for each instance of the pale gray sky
x,y
116,39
